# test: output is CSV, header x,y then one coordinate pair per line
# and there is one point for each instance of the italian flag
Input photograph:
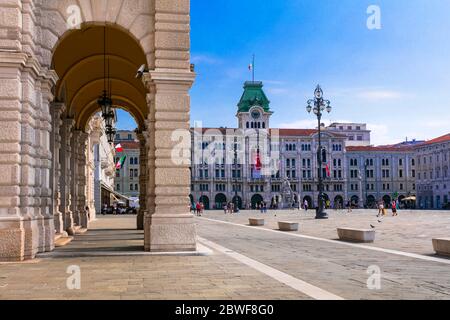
x,y
119,148
121,162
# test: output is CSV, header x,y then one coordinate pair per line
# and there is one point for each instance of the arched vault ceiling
x,y
78,61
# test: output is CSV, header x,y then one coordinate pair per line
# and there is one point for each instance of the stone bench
x,y
356,235
288,226
256,222
442,246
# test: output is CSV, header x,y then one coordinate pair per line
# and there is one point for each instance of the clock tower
x,y
253,108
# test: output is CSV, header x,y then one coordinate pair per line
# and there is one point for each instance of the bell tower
x,y
253,108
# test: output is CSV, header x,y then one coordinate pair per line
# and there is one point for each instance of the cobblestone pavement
x,y
411,231
135,277
332,266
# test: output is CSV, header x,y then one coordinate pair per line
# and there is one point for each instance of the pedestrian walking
x,y
305,205
349,206
198,208
380,209
394,209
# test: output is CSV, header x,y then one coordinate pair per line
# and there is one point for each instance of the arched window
x,y
136,187
264,125
131,160
248,125
131,187
136,160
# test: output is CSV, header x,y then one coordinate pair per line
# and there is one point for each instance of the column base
x,y
18,239
46,227
140,220
84,221
170,233
49,229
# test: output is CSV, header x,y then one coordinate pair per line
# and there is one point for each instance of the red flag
x,y
258,164
119,148
328,171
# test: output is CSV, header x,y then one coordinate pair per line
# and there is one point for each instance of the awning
x,y
115,194
413,198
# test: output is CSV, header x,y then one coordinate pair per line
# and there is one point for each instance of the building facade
x,y
223,163
380,173
433,173
126,181
357,133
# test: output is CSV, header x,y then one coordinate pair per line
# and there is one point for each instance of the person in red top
x,y
394,208
199,208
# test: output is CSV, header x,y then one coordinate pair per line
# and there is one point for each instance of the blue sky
x,y
396,79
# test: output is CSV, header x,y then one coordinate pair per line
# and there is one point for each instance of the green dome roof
x,y
253,95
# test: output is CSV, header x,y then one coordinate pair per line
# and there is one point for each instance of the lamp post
x,y
318,105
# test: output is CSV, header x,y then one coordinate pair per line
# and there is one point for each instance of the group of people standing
x,y
197,208
382,208
230,208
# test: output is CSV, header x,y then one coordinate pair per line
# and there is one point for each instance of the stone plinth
x,y
256,222
356,235
171,233
288,226
442,246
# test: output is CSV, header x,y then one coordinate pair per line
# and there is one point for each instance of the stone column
x,y
143,178
46,162
65,178
82,179
74,179
150,191
18,230
57,109
171,227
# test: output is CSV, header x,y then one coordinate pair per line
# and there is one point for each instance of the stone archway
x,y
42,86
256,201
338,202
220,200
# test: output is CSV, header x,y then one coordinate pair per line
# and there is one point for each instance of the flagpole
x,y
253,69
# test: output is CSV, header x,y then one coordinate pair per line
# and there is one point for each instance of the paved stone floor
x,y
411,231
250,266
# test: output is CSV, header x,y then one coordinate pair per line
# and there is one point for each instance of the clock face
x,y
256,114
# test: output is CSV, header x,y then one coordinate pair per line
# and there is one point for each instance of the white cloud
x,y
277,91
380,134
380,95
204,59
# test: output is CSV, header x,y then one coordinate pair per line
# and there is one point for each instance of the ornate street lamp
x,y
318,105
105,104
110,133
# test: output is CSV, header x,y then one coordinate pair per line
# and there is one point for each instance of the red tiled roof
x,y
127,145
379,149
444,138
295,132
